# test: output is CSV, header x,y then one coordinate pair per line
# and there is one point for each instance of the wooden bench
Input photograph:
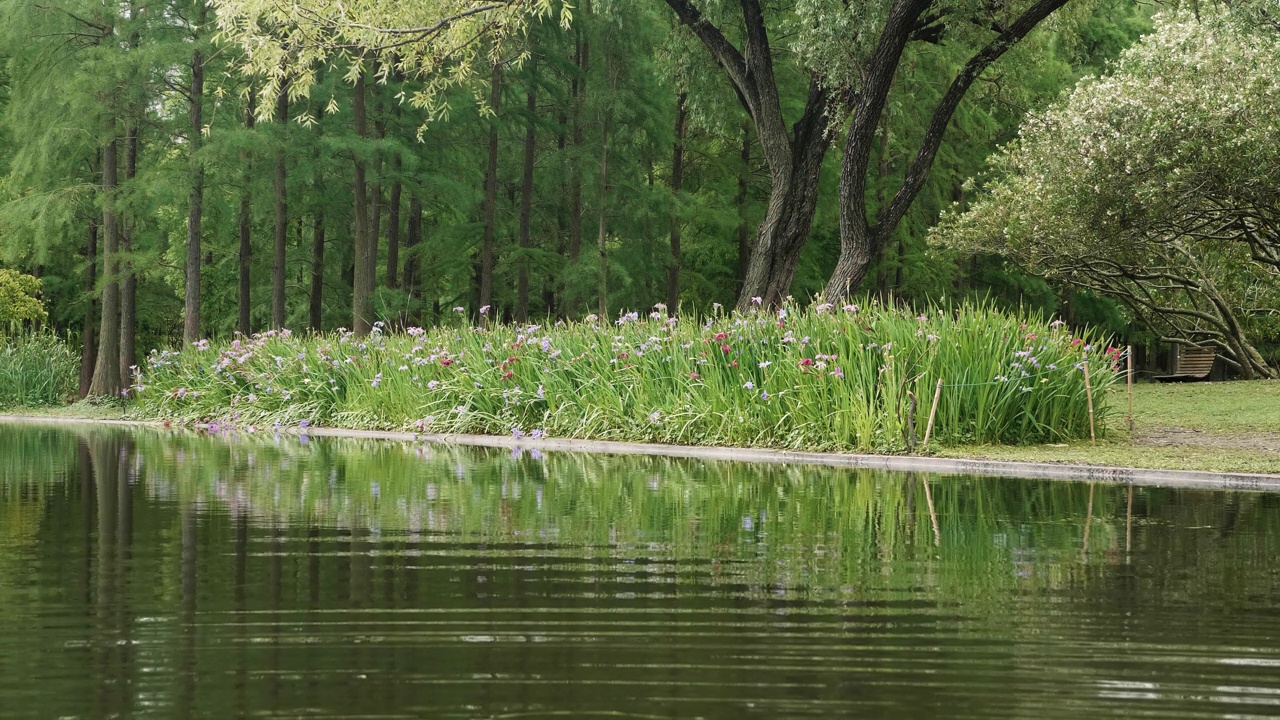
x,y
1190,363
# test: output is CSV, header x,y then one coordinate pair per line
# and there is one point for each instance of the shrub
x,y
36,369
825,378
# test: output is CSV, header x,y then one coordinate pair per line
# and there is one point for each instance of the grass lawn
x,y
1223,427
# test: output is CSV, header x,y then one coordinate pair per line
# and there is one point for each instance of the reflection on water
x,y
166,574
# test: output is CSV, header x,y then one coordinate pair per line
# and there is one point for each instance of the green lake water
x,y
156,574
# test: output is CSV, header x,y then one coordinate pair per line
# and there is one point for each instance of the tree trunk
x,y
315,309
485,279
106,371
281,190
128,278
246,226
677,184
795,167
602,298
376,205
393,229
88,347
744,185
412,280
578,89
860,239
526,194
362,320
195,208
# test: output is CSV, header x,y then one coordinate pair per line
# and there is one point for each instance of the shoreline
x,y
893,463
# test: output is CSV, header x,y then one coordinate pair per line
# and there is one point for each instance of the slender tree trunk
x,y
362,321
526,194
376,205
195,209
602,238
315,310
281,190
128,278
393,229
490,196
106,371
412,263
89,348
677,184
744,185
246,225
579,92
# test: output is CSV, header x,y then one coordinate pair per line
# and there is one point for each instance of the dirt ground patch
x,y
1184,437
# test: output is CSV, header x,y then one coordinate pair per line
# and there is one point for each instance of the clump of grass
x,y
823,378
36,369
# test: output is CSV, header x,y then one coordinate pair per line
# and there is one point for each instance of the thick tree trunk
x,y
128,278
744,231
860,239
315,308
795,167
281,240
393,229
677,184
526,194
485,274
243,298
362,289
89,346
106,371
195,206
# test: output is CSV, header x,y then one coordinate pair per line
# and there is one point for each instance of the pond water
x,y
147,573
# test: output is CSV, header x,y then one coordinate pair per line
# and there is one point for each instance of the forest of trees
x,y
639,152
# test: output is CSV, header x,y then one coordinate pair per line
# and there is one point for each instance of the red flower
x,y
720,337
734,363
694,376
807,362
725,349
446,362
507,375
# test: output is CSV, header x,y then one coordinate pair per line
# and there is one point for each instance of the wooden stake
x,y
1088,393
1129,381
933,411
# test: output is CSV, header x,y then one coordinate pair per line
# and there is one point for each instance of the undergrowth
x,y
822,378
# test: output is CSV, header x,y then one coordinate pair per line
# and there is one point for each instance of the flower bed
x,y
822,378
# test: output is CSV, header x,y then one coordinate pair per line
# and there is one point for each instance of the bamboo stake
x,y
1088,392
1129,382
933,411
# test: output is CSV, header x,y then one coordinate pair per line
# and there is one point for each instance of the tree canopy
x,y
1156,185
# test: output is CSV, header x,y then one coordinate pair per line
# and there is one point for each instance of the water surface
x,y
154,574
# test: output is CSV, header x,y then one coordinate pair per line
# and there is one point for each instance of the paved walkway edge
x,y
896,463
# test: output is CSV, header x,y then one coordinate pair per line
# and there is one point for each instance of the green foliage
x,y
1166,197
36,369
19,299
824,378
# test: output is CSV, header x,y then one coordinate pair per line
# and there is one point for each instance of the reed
x,y
821,378
36,369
